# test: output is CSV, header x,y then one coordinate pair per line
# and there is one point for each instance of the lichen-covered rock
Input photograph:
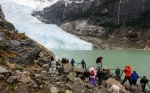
x,y
1,76
3,70
12,79
41,76
53,90
68,91
21,77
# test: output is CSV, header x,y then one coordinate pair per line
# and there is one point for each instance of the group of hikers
x,y
102,74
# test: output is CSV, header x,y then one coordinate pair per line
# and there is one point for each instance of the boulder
x,y
53,90
71,76
117,83
40,76
68,91
21,77
68,68
1,76
3,70
81,70
12,79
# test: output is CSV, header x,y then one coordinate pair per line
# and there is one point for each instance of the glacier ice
x,y
49,35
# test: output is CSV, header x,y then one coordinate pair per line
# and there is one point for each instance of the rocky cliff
x,y
108,24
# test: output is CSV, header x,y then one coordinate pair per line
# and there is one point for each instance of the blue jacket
x,y
72,61
134,75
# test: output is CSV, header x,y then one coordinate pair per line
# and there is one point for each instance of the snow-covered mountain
x,y
51,36
36,4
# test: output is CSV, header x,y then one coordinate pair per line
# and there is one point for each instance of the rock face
x,y
101,11
1,12
82,27
96,21
64,10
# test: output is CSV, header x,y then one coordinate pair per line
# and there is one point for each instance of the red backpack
x,y
92,73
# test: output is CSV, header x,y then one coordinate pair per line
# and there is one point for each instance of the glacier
x,y
48,35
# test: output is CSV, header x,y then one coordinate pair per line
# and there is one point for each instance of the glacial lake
x,y
138,59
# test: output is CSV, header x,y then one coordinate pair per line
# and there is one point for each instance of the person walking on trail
x,y
53,65
143,82
83,64
86,75
127,71
99,61
72,62
100,76
117,72
134,77
92,76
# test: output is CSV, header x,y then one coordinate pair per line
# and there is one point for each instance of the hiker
x,y
72,62
134,77
92,76
127,71
99,75
86,75
63,61
99,61
83,64
104,77
143,82
114,89
117,72
53,65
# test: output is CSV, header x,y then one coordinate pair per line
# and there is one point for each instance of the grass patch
x,y
31,59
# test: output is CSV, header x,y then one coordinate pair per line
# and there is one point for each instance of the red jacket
x,y
127,71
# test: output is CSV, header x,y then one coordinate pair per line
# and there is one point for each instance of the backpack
x,y
92,73
117,71
97,60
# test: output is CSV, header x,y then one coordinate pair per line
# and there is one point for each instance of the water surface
x,y
138,59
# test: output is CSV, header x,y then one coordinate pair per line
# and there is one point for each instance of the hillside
x,y
20,57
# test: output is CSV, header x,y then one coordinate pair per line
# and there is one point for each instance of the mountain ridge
x,y
122,21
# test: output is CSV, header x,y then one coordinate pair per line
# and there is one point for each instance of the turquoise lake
x,y
138,59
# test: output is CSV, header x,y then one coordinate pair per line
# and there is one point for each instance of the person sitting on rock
x,y
53,65
134,77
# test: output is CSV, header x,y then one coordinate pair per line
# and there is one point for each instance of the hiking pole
x,y
121,73
78,64
148,85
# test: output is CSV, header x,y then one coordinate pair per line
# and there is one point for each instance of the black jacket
x,y
99,74
144,81
86,73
